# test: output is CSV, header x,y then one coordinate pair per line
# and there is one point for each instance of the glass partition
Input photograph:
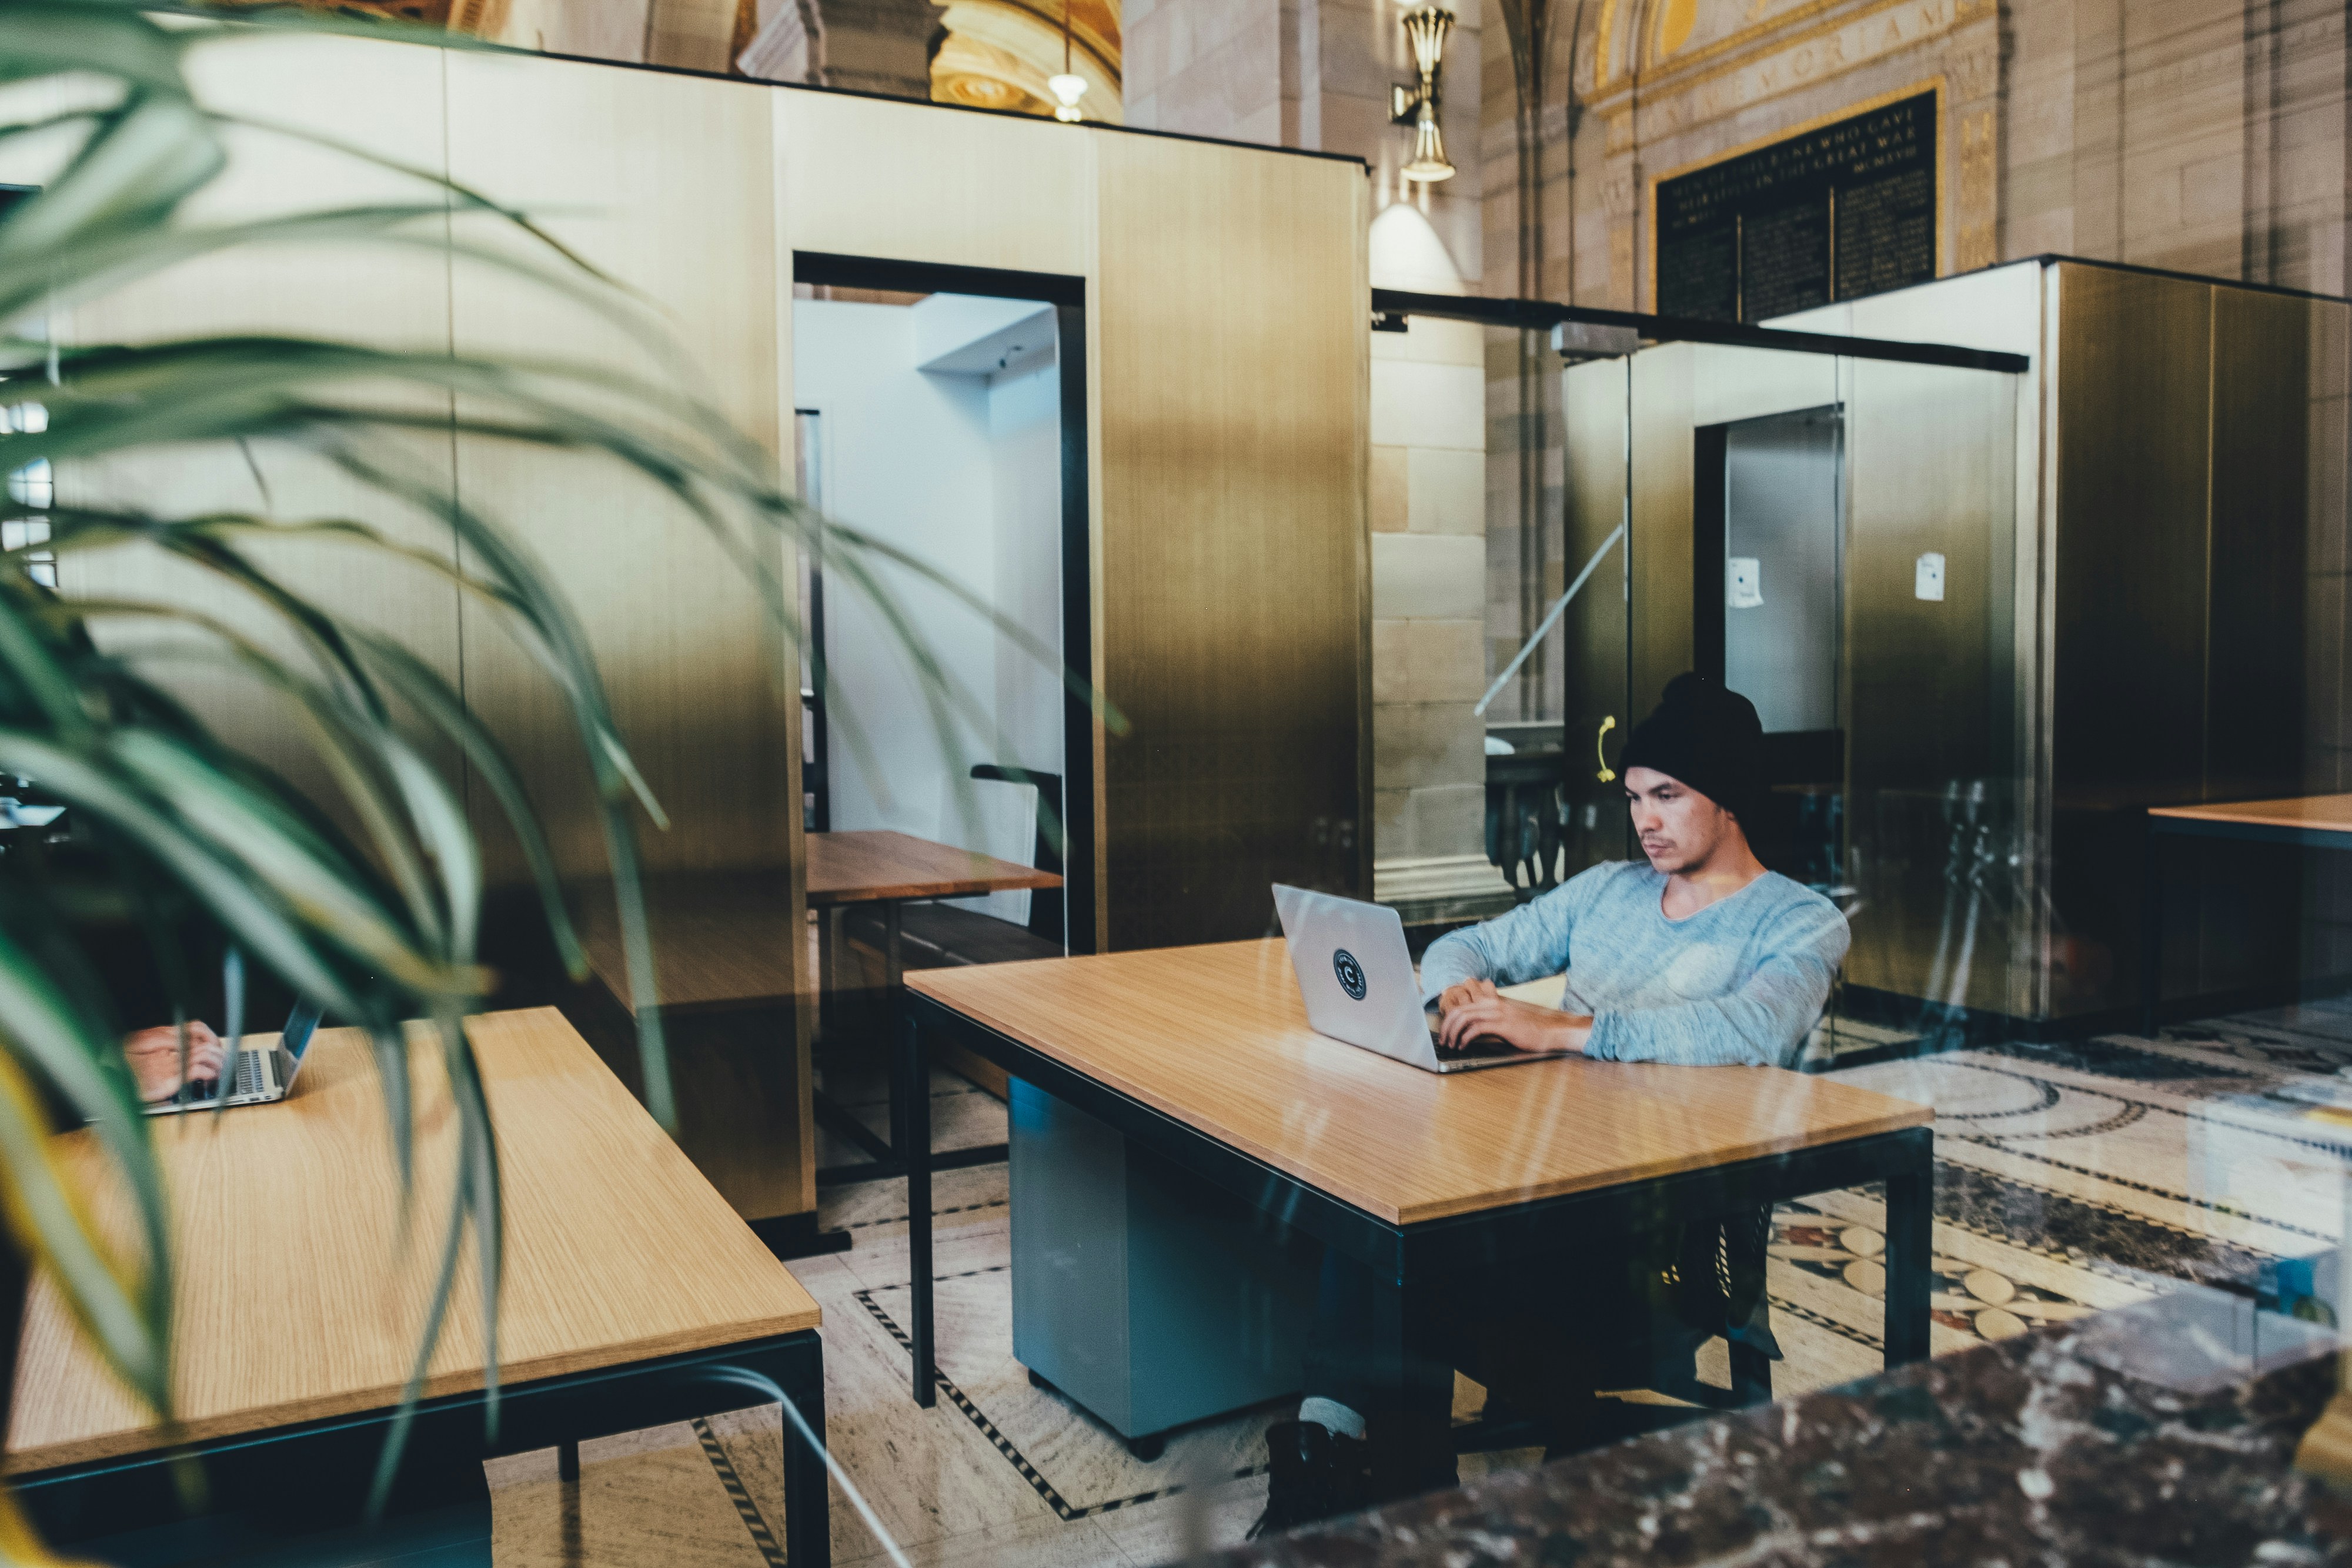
x,y
1833,537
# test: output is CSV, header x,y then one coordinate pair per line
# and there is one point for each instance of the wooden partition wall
x,y
1226,296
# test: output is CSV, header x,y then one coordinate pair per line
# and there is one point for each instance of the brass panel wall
x,y
666,183
1930,686
386,101
912,182
2248,904
1666,390
1595,679
2133,369
1233,553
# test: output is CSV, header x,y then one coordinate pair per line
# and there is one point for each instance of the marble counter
x,y
2157,1434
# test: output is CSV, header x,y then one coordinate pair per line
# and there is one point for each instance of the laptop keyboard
x,y
252,1078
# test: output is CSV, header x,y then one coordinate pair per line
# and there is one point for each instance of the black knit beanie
x,y
1707,736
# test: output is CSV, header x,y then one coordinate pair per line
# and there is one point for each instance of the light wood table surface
x,y
1203,1056
2311,813
1217,1038
298,1297
2312,822
880,867
723,940
723,943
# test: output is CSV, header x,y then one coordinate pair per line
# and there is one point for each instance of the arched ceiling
x,y
1659,35
997,54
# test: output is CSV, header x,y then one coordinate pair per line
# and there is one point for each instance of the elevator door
x,y
1769,567
1781,563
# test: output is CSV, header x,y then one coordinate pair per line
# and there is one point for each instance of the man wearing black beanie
x,y
1693,954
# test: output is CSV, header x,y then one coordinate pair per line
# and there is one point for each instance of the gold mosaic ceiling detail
x,y
997,54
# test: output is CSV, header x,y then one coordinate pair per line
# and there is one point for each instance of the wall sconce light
x,y
1426,28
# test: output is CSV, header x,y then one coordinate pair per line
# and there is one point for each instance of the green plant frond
x,y
56,38
322,632
556,638
223,884
99,259
201,837
440,823
424,690
360,753
281,853
43,683
137,167
478,1152
678,472
463,198
127,1318
112,395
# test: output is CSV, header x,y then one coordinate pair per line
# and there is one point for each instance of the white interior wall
x,y
1024,423
963,470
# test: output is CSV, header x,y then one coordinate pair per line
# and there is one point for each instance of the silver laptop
x,y
1356,976
262,1074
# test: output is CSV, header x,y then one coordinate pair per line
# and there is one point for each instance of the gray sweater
x,y
1737,983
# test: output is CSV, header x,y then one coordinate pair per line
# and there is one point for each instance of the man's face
x,y
1680,828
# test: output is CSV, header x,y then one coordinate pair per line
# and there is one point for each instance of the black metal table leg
x,y
2151,942
894,977
808,1533
1413,1448
1910,1219
914,1140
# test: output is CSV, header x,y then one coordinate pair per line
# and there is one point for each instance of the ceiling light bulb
x,y
1068,88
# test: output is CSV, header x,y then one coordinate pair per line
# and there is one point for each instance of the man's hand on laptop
x,y
155,1058
1475,1010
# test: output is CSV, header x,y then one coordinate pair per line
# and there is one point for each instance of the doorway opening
x,y
1768,619
942,410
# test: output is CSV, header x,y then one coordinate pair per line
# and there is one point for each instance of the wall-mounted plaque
x,y
1833,212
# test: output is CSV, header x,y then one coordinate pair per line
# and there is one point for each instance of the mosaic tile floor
x,y
2069,1178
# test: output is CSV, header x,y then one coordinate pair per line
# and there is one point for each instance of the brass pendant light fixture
x,y
1069,87
1426,28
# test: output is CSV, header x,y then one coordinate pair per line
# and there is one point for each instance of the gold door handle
x,y
1607,775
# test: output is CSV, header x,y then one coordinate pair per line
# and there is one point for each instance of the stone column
x,y
1429,594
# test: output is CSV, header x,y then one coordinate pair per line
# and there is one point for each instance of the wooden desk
x,y
893,870
896,868
2316,821
631,1296
1204,1055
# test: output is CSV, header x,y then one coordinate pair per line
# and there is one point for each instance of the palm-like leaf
x,y
382,927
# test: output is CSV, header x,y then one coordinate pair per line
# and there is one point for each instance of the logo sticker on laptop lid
x,y
1350,973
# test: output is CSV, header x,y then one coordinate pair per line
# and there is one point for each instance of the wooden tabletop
x,y
875,867
305,1307
723,940
2317,813
1217,1038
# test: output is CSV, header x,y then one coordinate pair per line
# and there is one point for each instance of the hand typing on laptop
x,y
1473,1010
155,1058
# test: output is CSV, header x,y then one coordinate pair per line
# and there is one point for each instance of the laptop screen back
x,y
300,1025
